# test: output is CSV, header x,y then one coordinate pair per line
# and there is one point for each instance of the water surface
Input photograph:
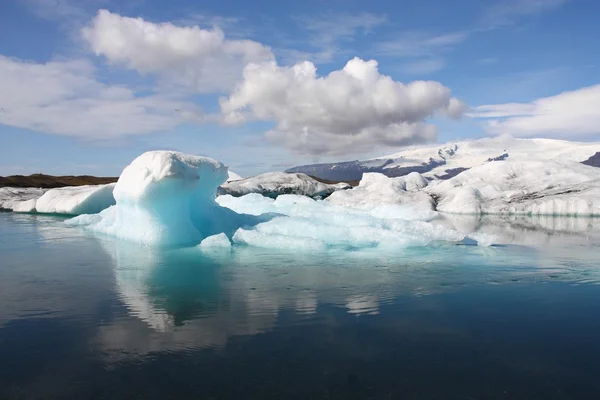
x,y
85,316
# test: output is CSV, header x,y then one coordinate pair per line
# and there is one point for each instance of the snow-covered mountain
x,y
446,161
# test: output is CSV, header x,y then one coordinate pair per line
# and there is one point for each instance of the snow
x,y
273,184
550,187
75,200
468,154
216,241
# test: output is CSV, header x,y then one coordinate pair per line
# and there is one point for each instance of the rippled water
x,y
83,316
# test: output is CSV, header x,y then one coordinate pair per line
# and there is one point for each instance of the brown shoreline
x,y
50,181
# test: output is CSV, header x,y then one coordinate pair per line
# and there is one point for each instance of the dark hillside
x,y
49,181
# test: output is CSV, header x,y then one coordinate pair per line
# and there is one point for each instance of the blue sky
x,y
265,85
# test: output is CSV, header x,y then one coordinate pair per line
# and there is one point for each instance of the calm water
x,y
92,317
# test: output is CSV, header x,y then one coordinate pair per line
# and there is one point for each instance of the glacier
x,y
536,187
443,161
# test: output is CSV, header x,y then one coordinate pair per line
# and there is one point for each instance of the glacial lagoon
x,y
90,316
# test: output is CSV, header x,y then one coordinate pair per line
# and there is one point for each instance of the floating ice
x,y
375,189
167,198
483,239
19,199
67,200
215,241
76,200
308,224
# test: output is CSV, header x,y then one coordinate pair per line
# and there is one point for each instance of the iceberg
x,y
377,189
550,187
301,223
70,200
273,184
75,200
167,198
19,199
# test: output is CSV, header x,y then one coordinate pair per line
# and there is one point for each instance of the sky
x,y
87,85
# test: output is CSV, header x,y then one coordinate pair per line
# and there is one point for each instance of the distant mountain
x,y
49,181
446,161
593,161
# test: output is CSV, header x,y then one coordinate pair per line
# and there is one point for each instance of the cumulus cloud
x,y
353,109
203,60
568,115
64,98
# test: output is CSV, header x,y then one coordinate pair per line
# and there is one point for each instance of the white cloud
x,y
57,9
353,109
507,12
198,59
423,66
327,36
428,47
64,98
331,28
571,114
419,44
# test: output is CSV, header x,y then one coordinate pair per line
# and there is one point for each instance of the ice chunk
x,y
275,241
19,199
167,198
67,200
376,189
551,187
215,241
304,223
273,184
232,176
27,206
74,200
483,239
